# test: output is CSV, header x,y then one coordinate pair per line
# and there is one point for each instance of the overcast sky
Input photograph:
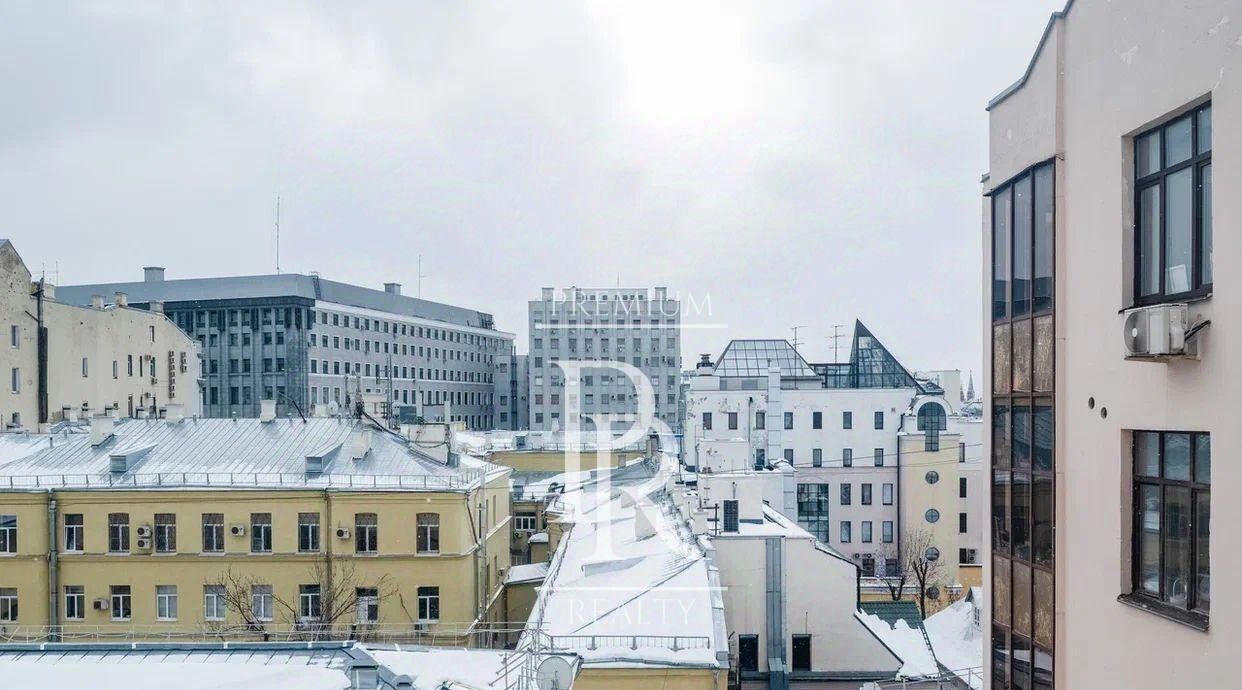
x,y
800,163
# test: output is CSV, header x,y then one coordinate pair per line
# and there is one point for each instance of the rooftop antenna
x,y
419,289
836,338
277,233
796,342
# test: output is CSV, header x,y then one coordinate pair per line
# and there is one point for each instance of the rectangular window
x,y
165,533
813,509
879,419
865,498
74,532
732,421
524,522
730,515
15,338
214,603
761,419
366,606
8,604
260,532
845,532
845,494
366,533
308,602
789,420
121,601
213,532
886,531
748,653
801,652
308,532
262,603
1172,507
847,420
878,455
707,421
817,420
75,602
961,523
166,602
886,494
847,457
1173,211
427,533
118,532
15,380
817,457
428,604
866,532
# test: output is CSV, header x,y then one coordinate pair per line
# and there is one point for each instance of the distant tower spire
x,y
970,386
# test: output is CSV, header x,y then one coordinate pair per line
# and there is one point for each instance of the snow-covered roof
x,y
957,641
629,584
526,573
538,538
251,666
907,643
239,453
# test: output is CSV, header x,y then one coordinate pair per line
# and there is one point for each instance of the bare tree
x,y
339,589
922,560
895,582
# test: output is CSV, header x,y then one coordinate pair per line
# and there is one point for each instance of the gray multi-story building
x,y
640,327
512,392
303,340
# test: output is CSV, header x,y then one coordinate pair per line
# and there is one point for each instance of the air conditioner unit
x,y
101,605
144,531
143,544
237,530
1156,331
342,533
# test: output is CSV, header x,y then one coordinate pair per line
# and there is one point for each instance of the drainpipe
x,y
53,585
329,540
897,489
41,355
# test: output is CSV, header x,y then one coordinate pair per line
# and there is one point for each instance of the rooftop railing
x,y
413,482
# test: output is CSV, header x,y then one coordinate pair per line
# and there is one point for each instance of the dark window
x,y
730,515
847,457
118,532
866,494
802,652
845,494
748,653
879,419
961,523
366,532
308,532
932,421
427,534
813,509
760,419
1172,506
707,421
1173,209
732,420
879,457
428,603
847,420
961,487
213,532
817,420
788,420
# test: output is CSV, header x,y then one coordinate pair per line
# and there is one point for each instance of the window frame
x,y
1190,614
427,534
1196,163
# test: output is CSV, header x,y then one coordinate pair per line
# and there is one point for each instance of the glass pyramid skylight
x,y
753,357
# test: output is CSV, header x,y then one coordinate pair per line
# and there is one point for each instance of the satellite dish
x,y
554,673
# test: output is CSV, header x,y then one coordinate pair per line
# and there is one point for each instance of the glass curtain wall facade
x,y
1023,463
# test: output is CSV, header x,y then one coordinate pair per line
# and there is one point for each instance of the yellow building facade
x,y
153,559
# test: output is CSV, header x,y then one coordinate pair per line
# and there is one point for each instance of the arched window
x,y
932,421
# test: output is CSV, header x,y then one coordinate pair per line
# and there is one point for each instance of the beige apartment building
x,y
249,528
66,362
1111,315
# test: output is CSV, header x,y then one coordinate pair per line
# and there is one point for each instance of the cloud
x,y
802,163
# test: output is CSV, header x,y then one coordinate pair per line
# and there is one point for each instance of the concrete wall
x,y
820,600
97,357
1124,67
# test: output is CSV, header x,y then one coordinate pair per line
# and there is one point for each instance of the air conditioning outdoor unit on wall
x,y
143,544
144,531
342,533
101,605
238,530
1159,332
